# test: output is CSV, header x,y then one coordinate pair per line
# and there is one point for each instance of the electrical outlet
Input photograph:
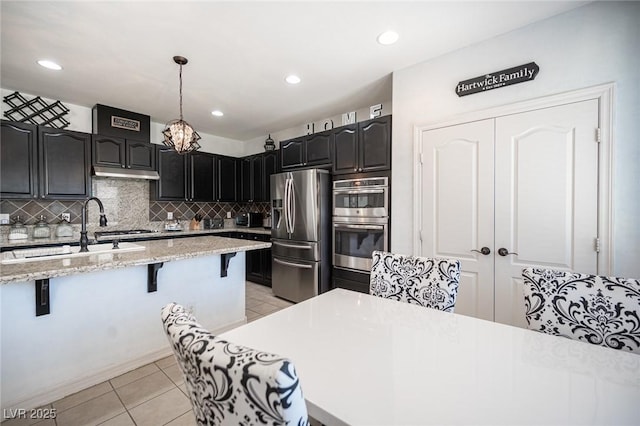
x,y
228,215
169,215
66,216
4,219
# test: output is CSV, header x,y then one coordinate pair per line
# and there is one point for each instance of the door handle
x,y
295,265
295,246
504,252
484,250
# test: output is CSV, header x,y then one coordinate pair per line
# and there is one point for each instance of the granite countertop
x,y
159,234
159,250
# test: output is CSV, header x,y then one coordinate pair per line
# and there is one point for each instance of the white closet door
x,y
546,182
457,208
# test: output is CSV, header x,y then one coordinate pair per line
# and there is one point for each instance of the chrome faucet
x,y
84,241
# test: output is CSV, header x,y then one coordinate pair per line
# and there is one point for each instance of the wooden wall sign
x,y
498,79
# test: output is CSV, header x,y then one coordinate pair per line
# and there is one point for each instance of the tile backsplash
x,y
126,204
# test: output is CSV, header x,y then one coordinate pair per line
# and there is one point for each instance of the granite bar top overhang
x,y
160,250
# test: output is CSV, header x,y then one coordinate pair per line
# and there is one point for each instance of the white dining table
x,y
365,360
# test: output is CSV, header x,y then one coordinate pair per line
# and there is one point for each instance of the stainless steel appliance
x,y
300,233
250,220
360,221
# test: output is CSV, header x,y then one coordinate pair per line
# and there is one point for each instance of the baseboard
x,y
76,385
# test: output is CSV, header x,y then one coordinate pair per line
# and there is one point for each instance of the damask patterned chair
x,y
594,309
230,384
429,282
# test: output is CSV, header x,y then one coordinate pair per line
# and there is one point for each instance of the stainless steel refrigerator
x,y
300,233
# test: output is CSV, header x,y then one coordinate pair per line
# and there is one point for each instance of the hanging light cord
x,y
181,92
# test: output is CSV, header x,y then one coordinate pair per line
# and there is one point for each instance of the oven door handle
x,y
343,225
295,265
295,246
359,191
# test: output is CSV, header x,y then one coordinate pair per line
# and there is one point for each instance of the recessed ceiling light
x,y
388,37
292,79
217,113
49,64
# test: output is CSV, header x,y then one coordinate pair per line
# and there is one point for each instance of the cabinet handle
x,y
122,166
355,170
129,167
42,196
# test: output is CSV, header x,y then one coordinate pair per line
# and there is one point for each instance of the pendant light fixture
x,y
178,133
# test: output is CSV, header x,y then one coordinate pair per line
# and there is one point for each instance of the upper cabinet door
x,y
318,148
270,168
257,179
292,153
227,178
172,168
108,151
345,149
202,177
65,163
245,183
18,160
374,137
140,155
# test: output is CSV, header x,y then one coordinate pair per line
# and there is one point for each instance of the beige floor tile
x,y
166,361
134,375
82,396
161,409
92,412
280,302
265,308
251,302
251,314
23,417
144,389
183,388
255,318
123,419
187,419
175,374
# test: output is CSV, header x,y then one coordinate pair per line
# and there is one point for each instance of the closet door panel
x,y
457,208
546,197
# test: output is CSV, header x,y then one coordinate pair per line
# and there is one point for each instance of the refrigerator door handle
x,y
295,265
286,205
295,246
292,194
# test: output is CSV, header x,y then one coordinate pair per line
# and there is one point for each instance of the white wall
x,y
590,45
80,119
256,145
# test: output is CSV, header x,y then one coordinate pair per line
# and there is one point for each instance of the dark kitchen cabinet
x,y
258,262
189,177
64,164
172,168
227,179
18,160
366,150
124,153
311,150
201,167
270,167
46,163
256,174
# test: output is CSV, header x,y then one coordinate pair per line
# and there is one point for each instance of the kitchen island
x,y
104,311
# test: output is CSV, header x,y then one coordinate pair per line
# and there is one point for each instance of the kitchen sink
x,y
64,252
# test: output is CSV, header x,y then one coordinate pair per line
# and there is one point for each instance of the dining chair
x,y
590,308
425,281
232,384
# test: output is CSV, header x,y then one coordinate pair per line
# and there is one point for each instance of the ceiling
x,y
120,54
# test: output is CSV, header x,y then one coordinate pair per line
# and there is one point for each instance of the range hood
x,y
118,172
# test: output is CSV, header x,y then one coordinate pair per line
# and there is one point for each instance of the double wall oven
x,y
360,221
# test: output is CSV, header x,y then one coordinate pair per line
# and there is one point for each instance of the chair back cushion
x,y
594,309
232,384
429,282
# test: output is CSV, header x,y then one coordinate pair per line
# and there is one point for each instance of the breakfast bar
x,y
103,316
